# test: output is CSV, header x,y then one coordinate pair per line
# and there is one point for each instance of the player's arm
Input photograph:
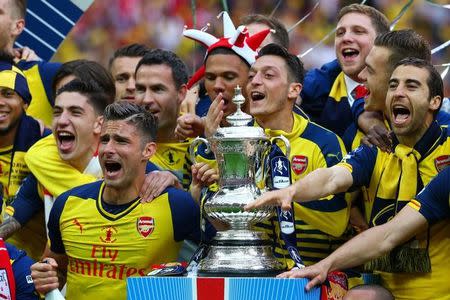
x,y
368,245
21,264
26,204
317,184
8,227
51,272
186,218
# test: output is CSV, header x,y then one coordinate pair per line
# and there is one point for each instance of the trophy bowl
x,y
241,153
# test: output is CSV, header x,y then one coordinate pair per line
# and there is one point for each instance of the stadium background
x,y
109,24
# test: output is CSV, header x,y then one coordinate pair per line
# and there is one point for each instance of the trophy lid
x,y
239,118
239,122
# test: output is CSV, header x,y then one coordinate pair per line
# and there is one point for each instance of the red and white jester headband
x,y
237,40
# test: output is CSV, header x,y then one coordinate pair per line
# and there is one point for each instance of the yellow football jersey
x,y
105,244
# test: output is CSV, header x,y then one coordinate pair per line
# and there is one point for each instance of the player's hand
x,y
378,136
45,275
214,116
316,273
189,126
202,175
190,101
155,183
26,54
281,198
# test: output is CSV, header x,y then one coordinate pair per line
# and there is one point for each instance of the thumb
x,y
286,205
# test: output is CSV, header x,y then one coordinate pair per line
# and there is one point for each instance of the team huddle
x,y
98,184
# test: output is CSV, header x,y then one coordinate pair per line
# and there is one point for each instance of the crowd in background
x,y
159,23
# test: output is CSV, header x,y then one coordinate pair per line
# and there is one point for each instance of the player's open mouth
x,y
400,114
112,168
257,96
350,53
66,141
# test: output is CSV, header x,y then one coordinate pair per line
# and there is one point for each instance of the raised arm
x,y
368,245
317,184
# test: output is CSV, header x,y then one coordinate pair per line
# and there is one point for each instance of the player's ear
x,y
98,125
149,150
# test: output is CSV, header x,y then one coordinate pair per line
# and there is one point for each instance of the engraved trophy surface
x,y
240,151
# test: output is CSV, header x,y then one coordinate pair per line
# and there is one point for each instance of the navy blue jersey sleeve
x,y
435,198
151,167
21,264
357,108
362,161
186,217
27,202
317,86
54,232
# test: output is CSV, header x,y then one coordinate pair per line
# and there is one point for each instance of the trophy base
x,y
247,255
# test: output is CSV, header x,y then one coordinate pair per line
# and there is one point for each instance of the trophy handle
x,y
286,143
196,142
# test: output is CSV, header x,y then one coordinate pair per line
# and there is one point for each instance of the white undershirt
x,y
350,85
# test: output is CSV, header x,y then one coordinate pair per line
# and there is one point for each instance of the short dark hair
x,y
280,35
132,50
434,81
170,59
133,114
86,70
19,7
403,43
378,20
224,51
90,89
296,71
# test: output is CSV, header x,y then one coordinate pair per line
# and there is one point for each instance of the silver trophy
x,y
241,152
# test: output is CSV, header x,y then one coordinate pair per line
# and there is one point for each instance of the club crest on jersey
x,y
441,162
145,226
299,164
109,232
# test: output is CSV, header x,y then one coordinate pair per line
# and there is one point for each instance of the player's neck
x,y
115,196
166,135
7,139
82,162
119,195
284,121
